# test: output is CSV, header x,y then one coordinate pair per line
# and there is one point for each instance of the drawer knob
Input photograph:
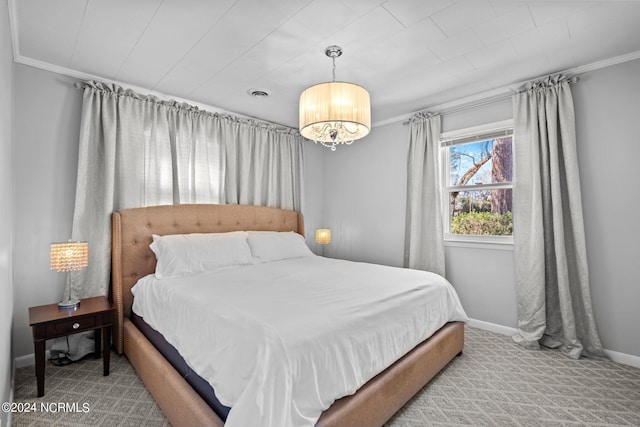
x,y
76,325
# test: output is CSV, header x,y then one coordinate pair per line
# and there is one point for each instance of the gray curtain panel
x,y
552,276
139,150
424,242
262,165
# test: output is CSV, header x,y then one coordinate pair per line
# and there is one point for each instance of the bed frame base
x,y
372,405
381,397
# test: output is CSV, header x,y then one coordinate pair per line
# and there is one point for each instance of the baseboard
x,y
625,359
492,327
7,419
615,356
28,360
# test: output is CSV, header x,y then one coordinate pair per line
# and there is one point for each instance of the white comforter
x,y
281,341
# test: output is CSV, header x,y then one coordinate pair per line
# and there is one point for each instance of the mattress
x,y
281,341
199,384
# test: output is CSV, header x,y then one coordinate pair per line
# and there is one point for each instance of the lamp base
x,y
72,303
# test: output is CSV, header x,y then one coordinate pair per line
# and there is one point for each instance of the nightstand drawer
x,y
71,326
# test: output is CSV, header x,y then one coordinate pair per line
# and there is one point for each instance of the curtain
x,y
139,150
264,169
552,277
424,245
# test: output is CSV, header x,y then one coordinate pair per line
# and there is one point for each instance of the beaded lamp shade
x,y
69,256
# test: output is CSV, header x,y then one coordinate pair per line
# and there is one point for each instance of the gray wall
x,y
608,124
47,117
313,184
6,207
365,196
365,190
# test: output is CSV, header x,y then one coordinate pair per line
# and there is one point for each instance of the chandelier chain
x,y
333,58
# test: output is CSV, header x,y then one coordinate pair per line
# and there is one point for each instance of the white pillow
x,y
183,254
273,246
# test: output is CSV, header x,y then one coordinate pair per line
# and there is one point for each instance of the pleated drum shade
x,y
335,112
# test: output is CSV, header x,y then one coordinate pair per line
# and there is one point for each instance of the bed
x,y
132,259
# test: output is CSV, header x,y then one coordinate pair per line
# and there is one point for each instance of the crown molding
x,y
500,93
46,66
628,57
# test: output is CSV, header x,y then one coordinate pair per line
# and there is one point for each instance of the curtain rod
x,y
135,92
497,98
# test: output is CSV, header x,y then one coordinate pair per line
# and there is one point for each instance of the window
x,y
478,187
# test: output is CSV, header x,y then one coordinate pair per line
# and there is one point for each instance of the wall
x,y
313,187
47,111
365,197
6,207
607,103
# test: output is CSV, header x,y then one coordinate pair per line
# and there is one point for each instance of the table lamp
x,y
69,256
323,237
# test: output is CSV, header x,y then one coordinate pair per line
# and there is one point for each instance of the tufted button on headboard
x,y
132,230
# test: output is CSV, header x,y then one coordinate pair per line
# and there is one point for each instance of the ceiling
x,y
409,54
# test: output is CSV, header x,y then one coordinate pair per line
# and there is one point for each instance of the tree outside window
x,y
478,181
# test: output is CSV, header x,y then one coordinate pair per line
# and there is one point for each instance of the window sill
x,y
478,242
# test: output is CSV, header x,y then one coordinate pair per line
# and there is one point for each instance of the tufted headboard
x,y
132,230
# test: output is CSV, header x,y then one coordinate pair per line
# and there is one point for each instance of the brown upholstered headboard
x,y
132,230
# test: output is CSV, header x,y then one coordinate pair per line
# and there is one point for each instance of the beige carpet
x,y
494,383
117,400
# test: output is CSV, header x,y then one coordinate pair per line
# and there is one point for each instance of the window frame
x,y
447,140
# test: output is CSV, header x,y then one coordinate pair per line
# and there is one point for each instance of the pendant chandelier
x,y
333,113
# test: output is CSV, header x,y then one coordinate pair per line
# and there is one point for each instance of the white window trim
x,y
504,243
468,240
477,130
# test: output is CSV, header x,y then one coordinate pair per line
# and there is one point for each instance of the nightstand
x,y
50,321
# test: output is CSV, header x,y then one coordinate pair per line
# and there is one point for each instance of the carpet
x,y
494,382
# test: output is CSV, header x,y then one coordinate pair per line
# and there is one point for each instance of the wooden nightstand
x,y
50,321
